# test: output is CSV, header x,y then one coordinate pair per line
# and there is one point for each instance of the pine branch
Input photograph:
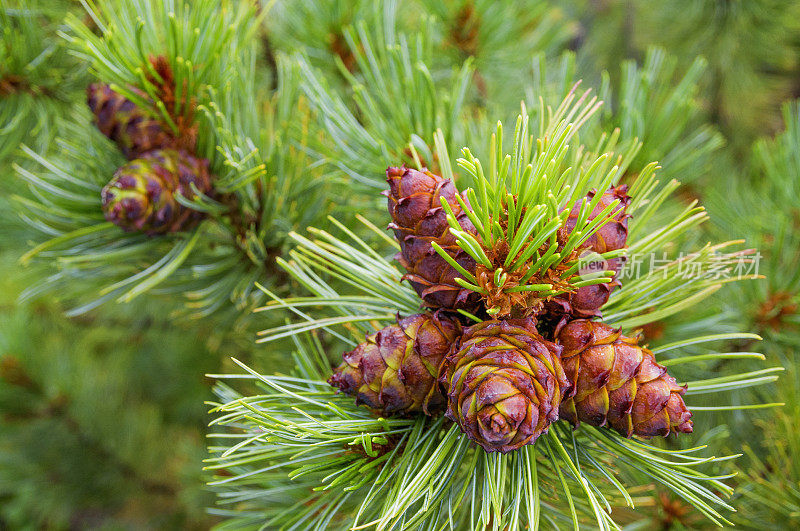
x,y
499,39
38,81
431,476
396,96
264,183
323,436
655,106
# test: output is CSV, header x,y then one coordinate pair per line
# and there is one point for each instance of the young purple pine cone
x,y
616,382
394,370
141,195
419,220
123,122
586,301
504,383
611,236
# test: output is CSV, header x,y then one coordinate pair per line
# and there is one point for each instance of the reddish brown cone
x,y
616,382
612,235
395,369
123,122
504,384
586,301
418,220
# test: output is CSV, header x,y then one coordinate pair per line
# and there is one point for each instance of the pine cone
x,y
141,196
418,219
126,124
617,383
504,383
395,369
585,302
611,236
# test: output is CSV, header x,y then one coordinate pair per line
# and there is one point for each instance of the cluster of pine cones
x,y
141,194
505,380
